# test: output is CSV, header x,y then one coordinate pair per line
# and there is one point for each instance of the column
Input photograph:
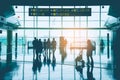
x,y
9,45
116,53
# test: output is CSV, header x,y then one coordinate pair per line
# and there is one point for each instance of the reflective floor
x,y
60,66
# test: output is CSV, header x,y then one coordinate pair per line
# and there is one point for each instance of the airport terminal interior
x,y
50,41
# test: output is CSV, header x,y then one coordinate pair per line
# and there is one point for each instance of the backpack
x,y
93,46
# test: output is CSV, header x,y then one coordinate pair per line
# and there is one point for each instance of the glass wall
x,y
45,23
55,26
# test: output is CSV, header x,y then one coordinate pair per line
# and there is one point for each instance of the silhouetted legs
x,y
90,58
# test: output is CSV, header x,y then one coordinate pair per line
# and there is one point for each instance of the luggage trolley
x,y
79,60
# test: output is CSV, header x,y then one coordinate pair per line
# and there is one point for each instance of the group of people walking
x,y
45,46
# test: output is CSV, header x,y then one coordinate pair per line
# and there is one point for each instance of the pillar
x,y
9,45
116,53
16,38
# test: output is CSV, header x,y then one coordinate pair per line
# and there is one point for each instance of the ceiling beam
x,y
28,28
59,2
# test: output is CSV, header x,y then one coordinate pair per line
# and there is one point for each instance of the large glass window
x,y
43,23
56,26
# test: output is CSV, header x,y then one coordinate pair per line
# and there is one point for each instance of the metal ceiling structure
x,y
58,2
6,9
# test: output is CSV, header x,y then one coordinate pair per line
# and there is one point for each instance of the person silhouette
x,y
53,45
48,45
63,54
34,43
37,49
45,48
89,52
48,51
65,43
102,46
40,48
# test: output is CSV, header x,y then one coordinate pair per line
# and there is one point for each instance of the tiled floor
x,y
62,67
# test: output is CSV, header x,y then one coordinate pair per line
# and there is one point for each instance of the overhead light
x,y
16,7
102,6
